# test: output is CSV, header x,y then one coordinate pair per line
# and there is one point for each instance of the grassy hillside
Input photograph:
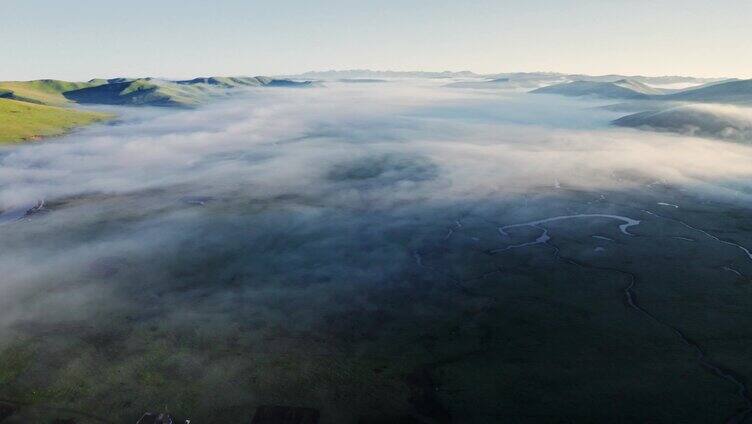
x,y
33,109
139,92
158,92
22,121
229,82
49,92
133,92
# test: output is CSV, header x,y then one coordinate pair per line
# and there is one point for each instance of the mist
x,y
285,246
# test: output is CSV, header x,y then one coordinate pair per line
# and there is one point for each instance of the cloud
x,y
280,165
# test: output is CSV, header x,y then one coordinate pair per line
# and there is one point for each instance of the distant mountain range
x,y
517,79
493,83
728,91
354,74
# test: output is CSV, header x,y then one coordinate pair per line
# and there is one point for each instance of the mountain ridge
x,y
731,91
33,109
134,91
620,89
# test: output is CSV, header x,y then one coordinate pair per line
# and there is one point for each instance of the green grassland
x,y
144,92
24,121
523,336
30,110
165,93
49,92
34,109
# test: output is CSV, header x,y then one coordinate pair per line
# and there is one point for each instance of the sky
x,y
80,39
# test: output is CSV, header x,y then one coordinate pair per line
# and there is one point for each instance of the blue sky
x,y
78,39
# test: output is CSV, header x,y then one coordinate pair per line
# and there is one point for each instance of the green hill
x,y
140,92
134,92
49,92
157,92
228,82
23,121
237,82
33,109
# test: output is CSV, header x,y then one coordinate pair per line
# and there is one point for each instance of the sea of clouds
x,y
201,221
337,166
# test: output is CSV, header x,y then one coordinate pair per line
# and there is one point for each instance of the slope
x,y
47,91
21,121
724,122
622,89
734,91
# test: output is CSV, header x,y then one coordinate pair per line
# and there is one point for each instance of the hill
x,y
157,92
715,121
734,91
621,89
139,92
33,109
227,82
237,82
47,91
21,121
728,91
134,92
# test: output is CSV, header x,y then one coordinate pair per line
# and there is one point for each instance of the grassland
x,y
30,110
523,336
23,121
20,120
144,92
47,91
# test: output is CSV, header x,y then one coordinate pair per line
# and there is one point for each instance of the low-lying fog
x,y
302,247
